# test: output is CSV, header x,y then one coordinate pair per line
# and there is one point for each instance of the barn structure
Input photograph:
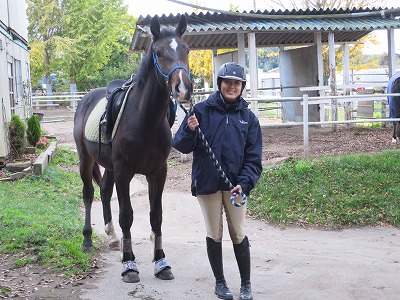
x,y
299,66
14,69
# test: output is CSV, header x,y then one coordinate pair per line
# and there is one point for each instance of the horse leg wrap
x,y
162,263
128,266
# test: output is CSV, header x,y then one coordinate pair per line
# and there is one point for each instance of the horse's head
x,y
170,56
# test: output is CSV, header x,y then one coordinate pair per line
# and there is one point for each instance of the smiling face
x,y
231,89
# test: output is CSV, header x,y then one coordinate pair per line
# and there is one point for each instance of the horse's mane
x,y
145,65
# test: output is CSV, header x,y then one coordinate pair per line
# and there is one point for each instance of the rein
x,y
215,160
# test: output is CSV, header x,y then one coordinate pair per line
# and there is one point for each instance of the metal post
x,y
305,125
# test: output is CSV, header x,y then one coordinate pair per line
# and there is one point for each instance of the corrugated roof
x,y
273,28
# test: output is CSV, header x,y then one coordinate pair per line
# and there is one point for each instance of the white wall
x,y
12,15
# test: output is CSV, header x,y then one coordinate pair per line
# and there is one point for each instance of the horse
x,y
141,143
394,104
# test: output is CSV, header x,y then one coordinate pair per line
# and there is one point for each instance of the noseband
x,y
172,71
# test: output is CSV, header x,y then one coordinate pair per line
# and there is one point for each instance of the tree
x,y
44,24
201,65
93,29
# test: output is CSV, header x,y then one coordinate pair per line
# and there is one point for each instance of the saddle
x,y
115,95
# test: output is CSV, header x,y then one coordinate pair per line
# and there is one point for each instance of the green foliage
x,y
121,65
16,132
75,39
331,192
33,131
40,218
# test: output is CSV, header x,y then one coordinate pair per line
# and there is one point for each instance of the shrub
x,y
33,132
16,134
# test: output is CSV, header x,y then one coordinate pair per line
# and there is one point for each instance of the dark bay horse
x,y
140,145
394,104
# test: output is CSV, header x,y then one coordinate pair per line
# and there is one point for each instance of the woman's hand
x,y
192,122
237,189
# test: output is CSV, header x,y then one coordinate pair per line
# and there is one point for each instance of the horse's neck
x,y
154,101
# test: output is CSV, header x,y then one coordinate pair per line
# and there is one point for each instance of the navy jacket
x,y
234,135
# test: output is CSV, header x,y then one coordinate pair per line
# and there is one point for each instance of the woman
x,y
234,135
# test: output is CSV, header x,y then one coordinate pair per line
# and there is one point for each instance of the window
x,y
18,81
11,85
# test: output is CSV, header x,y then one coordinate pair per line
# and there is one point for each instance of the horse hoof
x,y
87,249
165,274
114,245
131,277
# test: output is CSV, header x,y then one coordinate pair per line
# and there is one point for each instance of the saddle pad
x,y
92,124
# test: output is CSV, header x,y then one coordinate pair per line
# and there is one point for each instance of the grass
x,y
41,220
331,192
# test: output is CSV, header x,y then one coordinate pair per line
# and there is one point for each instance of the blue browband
x,y
172,71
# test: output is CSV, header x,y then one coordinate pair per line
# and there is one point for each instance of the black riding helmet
x,y
231,70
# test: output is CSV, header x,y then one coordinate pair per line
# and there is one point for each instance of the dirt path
x,y
293,263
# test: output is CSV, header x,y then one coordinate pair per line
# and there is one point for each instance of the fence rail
x,y
56,99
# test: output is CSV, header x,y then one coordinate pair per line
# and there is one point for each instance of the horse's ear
x,y
181,28
155,27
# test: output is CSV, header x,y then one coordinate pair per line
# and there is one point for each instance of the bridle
x,y
168,76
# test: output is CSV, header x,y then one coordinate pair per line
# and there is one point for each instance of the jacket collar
x,y
216,100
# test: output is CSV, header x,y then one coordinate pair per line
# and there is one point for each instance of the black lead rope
x,y
215,160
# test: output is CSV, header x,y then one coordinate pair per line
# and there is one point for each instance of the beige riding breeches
x,y
213,206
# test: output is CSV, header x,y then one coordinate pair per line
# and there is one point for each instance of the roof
x,y
272,28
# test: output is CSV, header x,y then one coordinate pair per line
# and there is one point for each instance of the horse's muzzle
x,y
183,89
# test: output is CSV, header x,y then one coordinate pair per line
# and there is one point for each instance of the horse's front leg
x,y
130,272
106,190
162,269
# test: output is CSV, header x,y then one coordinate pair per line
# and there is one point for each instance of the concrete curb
x,y
43,160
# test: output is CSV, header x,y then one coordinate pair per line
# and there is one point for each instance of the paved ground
x,y
293,263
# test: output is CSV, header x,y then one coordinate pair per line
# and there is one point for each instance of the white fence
x,y
69,99
326,101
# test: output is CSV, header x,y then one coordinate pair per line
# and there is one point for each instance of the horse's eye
x,y
159,54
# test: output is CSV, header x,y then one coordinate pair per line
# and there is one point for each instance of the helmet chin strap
x,y
230,102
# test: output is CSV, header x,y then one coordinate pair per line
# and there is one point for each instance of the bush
x,y
16,134
33,132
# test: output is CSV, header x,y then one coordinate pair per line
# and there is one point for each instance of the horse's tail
x,y
97,174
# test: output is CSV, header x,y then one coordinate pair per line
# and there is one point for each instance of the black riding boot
x,y
214,251
242,254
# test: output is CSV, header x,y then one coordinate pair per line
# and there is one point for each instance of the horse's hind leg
x,y
106,189
394,135
86,169
162,269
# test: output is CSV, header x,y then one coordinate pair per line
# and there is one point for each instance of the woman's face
x,y
231,89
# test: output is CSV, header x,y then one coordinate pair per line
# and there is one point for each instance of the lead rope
x,y
215,160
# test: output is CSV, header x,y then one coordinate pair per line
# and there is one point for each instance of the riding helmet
x,y
231,70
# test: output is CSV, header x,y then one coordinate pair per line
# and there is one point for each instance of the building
x,y
14,69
